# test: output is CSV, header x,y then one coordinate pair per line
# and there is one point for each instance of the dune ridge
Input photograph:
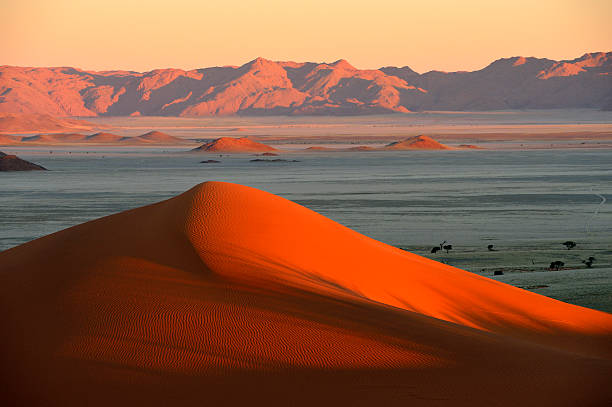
x,y
228,294
101,138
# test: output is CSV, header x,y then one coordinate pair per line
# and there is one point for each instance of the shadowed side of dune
x,y
230,295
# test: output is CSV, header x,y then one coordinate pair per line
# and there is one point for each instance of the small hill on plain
x,y
417,143
9,162
156,137
234,145
54,138
103,138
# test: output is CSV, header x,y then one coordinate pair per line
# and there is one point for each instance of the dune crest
x,y
403,280
226,287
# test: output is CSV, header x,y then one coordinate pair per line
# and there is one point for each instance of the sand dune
x,y
156,137
233,145
416,143
411,143
229,295
50,139
101,138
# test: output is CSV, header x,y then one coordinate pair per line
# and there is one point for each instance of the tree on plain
x,y
556,265
569,244
589,262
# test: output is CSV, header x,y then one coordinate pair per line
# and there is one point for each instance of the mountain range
x,y
263,87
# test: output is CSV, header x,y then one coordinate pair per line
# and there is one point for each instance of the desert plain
x,y
120,287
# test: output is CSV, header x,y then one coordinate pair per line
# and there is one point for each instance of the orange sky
x,y
435,34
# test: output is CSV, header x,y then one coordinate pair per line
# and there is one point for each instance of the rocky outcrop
x,y
10,162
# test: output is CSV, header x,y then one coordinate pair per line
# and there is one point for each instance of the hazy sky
x,y
428,34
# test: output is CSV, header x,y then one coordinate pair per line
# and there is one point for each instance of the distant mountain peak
x,y
594,60
259,62
519,61
343,64
265,87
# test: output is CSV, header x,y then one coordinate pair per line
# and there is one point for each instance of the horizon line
x,y
304,62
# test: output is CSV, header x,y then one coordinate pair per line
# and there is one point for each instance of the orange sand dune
x,y
234,145
411,143
229,295
417,143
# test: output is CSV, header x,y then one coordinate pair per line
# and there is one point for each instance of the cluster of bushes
x,y
558,264
554,265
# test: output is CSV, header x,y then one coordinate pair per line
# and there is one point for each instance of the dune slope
x,y
226,294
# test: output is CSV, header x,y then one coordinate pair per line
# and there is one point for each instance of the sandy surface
x,y
229,295
26,123
531,129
